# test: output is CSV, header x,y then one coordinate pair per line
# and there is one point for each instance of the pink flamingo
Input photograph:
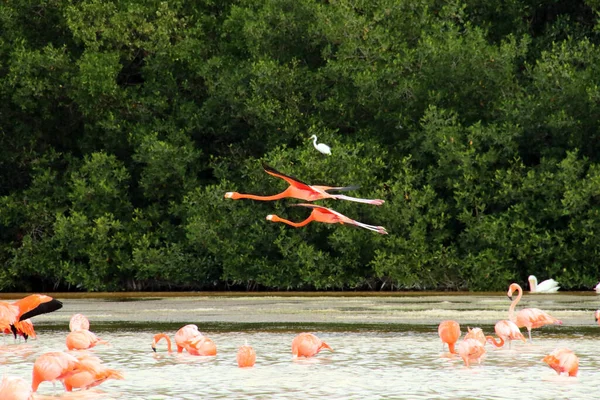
x,y
82,340
94,374
246,356
507,331
477,334
78,322
13,388
54,366
449,332
528,317
597,316
563,360
302,191
307,345
471,350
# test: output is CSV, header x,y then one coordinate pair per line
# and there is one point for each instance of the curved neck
x,y
315,140
294,224
159,337
511,310
533,285
492,340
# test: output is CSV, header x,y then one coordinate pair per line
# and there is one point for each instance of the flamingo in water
x,y
302,191
563,360
527,317
307,345
449,332
246,356
13,315
13,388
507,331
547,286
471,350
327,216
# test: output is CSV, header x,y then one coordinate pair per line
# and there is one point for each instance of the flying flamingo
x,y
449,332
302,191
246,356
477,334
79,321
563,360
94,374
507,331
547,286
321,147
83,339
13,388
307,345
528,317
327,216
470,350
54,366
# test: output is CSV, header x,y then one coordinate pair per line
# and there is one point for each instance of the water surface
x,y
372,358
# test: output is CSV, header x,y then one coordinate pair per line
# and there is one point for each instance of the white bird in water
x,y
547,286
321,147
597,288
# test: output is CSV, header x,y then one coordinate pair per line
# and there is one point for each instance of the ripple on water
x,y
364,364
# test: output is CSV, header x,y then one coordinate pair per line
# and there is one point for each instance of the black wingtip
x,y
43,308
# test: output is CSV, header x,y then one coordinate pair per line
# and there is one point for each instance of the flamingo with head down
x,y
449,332
507,331
307,345
563,360
302,191
530,318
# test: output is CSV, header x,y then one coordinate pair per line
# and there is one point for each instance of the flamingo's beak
x,y
154,349
509,297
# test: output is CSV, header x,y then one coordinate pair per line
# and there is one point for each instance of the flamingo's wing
x,y
36,304
329,189
289,179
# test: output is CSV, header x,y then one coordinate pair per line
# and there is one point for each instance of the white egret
x,y
321,147
547,286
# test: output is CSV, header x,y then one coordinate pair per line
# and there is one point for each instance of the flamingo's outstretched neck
x,y
237,196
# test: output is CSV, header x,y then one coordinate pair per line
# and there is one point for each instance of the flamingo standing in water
x,y
23,309
327,216
470,350
563,360
93,374
477,334
246,356
530,318
547,286
79,322
54,366
13,388
302,191
449,332
307,345
82,339
183,335
507,331
198,345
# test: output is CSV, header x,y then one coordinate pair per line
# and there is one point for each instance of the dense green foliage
x,y
123,123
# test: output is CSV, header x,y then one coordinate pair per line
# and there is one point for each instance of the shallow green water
x,y
397,359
